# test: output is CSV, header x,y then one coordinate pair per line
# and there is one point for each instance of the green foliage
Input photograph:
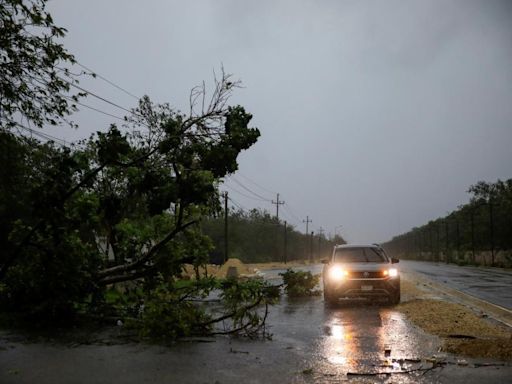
x,y
175,310
33,82
300,283
117,207
56,266
169,315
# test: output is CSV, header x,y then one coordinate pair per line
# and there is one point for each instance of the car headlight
x,y
337,273
393,272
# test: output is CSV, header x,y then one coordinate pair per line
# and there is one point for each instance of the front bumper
x,y
363,288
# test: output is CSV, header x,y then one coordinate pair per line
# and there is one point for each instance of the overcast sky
x,y
375,115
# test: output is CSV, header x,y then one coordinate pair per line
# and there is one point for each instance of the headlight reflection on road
x,y
339,345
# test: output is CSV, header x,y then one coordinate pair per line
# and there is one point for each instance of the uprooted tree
x,y
122,206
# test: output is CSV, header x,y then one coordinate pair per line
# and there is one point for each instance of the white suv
x,y
360,271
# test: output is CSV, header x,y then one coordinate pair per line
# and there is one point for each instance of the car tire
x,y
329,299
395,297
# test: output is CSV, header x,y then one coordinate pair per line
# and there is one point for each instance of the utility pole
x,y
473,235
307,221
320,233
277,203
311,247
491,228
447,243
438,250
285,243
225,226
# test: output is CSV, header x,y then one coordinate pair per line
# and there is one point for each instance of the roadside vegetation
x,y
477,233
103,228
107,228
300,283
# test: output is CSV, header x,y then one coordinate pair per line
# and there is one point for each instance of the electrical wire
x,y
239,206
98,97
94,109
243,194
96,74
256,184
249,190
45,136
290,211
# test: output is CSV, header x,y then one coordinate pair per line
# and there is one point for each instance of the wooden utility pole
x,y
225,226
447,243
320,233
491,229
307,221
311,247
285,256
277,203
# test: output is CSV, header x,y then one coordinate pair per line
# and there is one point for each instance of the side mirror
x,y
394,261
325,261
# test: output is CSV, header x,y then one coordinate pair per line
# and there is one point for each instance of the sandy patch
x,y
219,271
242,269
463,331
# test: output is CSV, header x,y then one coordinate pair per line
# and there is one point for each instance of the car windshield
x,y
359,255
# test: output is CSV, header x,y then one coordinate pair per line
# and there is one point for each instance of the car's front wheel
x,y
394,298
329,298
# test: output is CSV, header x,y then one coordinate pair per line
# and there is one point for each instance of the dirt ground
x,y
463,331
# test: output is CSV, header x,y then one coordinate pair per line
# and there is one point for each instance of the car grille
x,y
366,275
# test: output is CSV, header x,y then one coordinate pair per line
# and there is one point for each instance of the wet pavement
x,y
311,344
490,284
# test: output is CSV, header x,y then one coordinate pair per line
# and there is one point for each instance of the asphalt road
x,y
311,344
490,284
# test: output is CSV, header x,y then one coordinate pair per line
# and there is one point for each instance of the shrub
x,y
300,283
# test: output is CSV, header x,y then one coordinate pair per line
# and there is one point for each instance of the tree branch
x,y
126,268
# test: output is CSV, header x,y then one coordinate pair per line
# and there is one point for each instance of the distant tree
x,y
484,223
34,83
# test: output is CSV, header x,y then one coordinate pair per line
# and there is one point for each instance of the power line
x,y
94,109
96,74
98,97
288,209
243,194
256,184
45,136
239,206
249,190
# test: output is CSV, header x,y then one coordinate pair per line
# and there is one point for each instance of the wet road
x,y
490,284
310,344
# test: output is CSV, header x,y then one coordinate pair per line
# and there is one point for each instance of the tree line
x,y
257,236
478,232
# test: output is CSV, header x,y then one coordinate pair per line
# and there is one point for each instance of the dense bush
x,y
300,283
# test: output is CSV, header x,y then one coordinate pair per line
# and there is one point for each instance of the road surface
x,y
310,344
490,284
